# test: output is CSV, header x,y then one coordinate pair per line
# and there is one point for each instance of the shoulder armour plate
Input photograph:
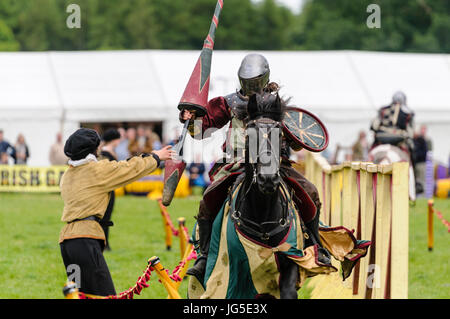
x,y
238,105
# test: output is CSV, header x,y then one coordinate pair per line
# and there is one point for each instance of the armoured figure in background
x,y
395,125
253,74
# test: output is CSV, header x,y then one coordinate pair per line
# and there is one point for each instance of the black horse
x,y
261,210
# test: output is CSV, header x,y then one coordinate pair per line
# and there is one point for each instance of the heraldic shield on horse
x,y
266,240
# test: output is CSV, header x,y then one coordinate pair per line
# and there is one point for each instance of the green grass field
x,y
31,266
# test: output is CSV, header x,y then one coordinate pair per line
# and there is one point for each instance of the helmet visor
x,y
254,85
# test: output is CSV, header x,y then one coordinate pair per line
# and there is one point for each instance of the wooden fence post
x,y
430,225
367,208
372,200
182,236
400,231
164,277
166,225
383,230
336,196
350,203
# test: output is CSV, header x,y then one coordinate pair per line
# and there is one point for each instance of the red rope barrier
x,y
445,222
186,233
175,273
142,280
168,220
129,293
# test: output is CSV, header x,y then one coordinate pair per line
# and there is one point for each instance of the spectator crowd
x,y
127,142
133,141
142,139
13,154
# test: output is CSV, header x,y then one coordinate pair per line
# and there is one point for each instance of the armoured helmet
x,y
253,74
399,98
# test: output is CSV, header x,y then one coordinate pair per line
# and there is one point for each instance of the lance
x,y
194,99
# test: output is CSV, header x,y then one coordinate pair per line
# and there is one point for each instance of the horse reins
x,y
244,223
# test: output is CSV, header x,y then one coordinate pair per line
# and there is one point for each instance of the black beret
x,y
81,143
110,135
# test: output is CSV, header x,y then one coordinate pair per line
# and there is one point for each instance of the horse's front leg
x,y
288,277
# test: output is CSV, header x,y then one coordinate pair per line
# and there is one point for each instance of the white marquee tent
x,y
40,92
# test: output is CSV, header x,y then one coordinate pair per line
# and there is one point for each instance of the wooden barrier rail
x,y
373,201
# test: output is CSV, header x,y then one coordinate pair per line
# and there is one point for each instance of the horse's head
x,y
263,142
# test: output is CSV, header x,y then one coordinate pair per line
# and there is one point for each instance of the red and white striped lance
x,y
209,42
194,98
195,95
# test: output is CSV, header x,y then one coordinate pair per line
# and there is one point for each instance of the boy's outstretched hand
x,y
166,153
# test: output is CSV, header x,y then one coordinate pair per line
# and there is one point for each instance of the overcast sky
x,y
294,5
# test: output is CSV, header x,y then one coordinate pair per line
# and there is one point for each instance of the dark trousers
x,y
85,255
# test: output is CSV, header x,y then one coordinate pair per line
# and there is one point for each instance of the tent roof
x,y
90,82
344,88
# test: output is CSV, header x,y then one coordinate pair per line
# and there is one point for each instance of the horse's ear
x,y
280,107
278,100
252,105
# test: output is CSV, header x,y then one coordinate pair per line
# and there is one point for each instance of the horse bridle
x,y
273,125
245,223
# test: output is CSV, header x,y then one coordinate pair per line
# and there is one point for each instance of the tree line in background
x,y
406,26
